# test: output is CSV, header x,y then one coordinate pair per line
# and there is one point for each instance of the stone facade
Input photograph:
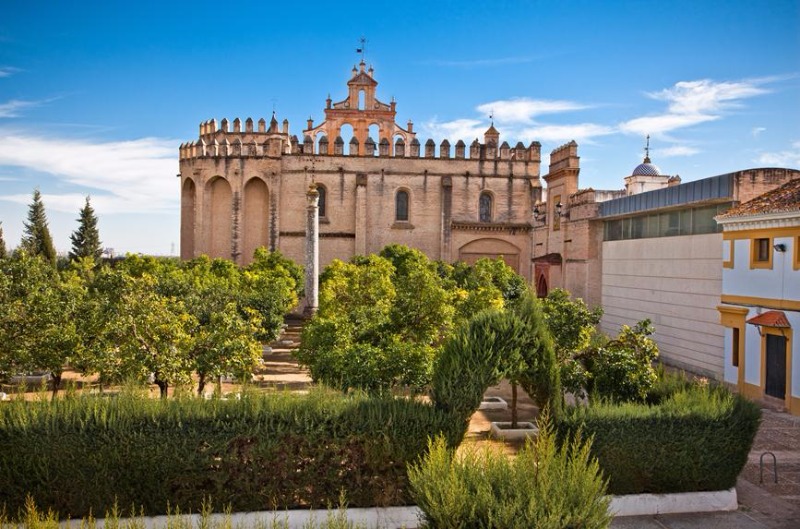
x,y
650,250
244,187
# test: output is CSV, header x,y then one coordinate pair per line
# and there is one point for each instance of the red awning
x,y
771,318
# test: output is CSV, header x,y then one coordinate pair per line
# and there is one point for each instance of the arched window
x,y
323,200
361,99
401,206
485,207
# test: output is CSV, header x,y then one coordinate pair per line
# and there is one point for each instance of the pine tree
x,y
3,251
36,239
86,239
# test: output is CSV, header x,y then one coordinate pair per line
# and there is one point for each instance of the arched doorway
x,y
541,287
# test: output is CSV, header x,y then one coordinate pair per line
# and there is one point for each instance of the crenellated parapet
x,y
231,139
564,157
227,142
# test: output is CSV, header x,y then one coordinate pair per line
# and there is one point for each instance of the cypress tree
x,y
86,239
3,251
36,238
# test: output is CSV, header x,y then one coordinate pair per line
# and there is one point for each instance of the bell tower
x,y
360,109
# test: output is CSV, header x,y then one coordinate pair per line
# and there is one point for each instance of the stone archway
x,y
491,248
256,217
220,226
188,218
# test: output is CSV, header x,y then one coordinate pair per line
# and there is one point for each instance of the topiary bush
x,y
546,485
82,455
540,375
513,344
475,357
696,439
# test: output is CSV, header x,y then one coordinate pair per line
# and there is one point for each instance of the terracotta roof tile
x,y
771,318
783,199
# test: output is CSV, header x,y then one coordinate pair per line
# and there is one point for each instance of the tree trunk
x,y
219,385
56,384
513,405
201,384
163,387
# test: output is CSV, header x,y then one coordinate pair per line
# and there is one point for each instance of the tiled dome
x,y
646,169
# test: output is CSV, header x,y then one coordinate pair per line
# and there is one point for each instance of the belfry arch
x,y
362,110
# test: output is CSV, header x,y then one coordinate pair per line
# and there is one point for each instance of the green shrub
x,y
573,326
697,439
84,454
622,369
544,486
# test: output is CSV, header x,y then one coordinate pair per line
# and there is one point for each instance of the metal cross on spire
x,y
362,47
491,117
647,148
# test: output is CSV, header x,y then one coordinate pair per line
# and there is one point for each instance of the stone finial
x,y
248,125
262,125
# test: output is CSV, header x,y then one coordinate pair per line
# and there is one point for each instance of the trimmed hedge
x,y
84,454
697,439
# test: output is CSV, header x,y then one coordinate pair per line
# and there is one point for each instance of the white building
x,y
760,302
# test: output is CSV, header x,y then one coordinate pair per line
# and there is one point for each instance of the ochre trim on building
x,y
796,264
760,233
753,392
754,262
768,303
729,262
734,318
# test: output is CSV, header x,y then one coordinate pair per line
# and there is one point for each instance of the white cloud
x,y
787,158
693,102
663,123
8,71
757,131
677,150
705,95
459,129
135,176
11,109
515,119
523,109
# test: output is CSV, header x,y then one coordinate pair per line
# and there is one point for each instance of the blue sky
x,y
95,97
